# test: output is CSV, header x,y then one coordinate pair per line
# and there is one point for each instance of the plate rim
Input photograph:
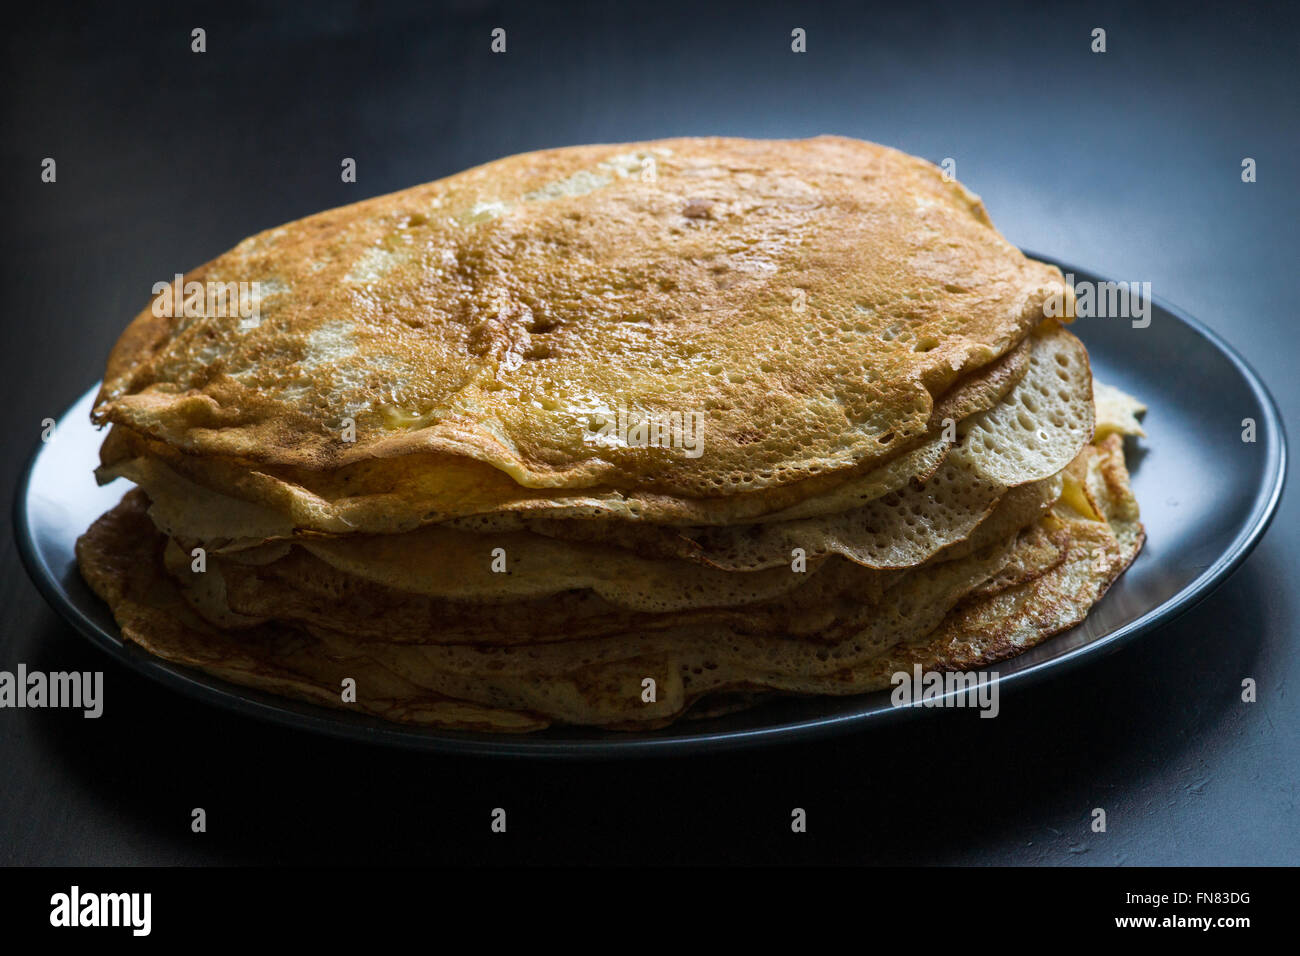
x,y
286,712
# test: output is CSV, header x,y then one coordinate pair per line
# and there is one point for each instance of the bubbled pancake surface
x,y
809,299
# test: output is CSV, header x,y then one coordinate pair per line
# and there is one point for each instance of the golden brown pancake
x,y
379,602
810,298
226,504
401,478
972,611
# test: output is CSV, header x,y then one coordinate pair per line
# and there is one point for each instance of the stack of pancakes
x,y
398,490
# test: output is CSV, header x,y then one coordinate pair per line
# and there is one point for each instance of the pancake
x,y
558,678
1061,584
295,585
120,558
727,420
1060,565
1032,433
252,505
1043,421
227,503
1063,567
809,299
1117,411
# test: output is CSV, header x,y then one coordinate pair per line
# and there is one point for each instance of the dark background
x,y
1127,163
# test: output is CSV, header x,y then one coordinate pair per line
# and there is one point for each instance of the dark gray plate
x,y
1206,498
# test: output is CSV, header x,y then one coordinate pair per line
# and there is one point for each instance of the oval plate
x,y
1206,499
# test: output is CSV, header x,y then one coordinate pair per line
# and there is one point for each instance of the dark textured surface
x,y
1127,162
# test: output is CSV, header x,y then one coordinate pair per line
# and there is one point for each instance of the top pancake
x,y
808,300
226,503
